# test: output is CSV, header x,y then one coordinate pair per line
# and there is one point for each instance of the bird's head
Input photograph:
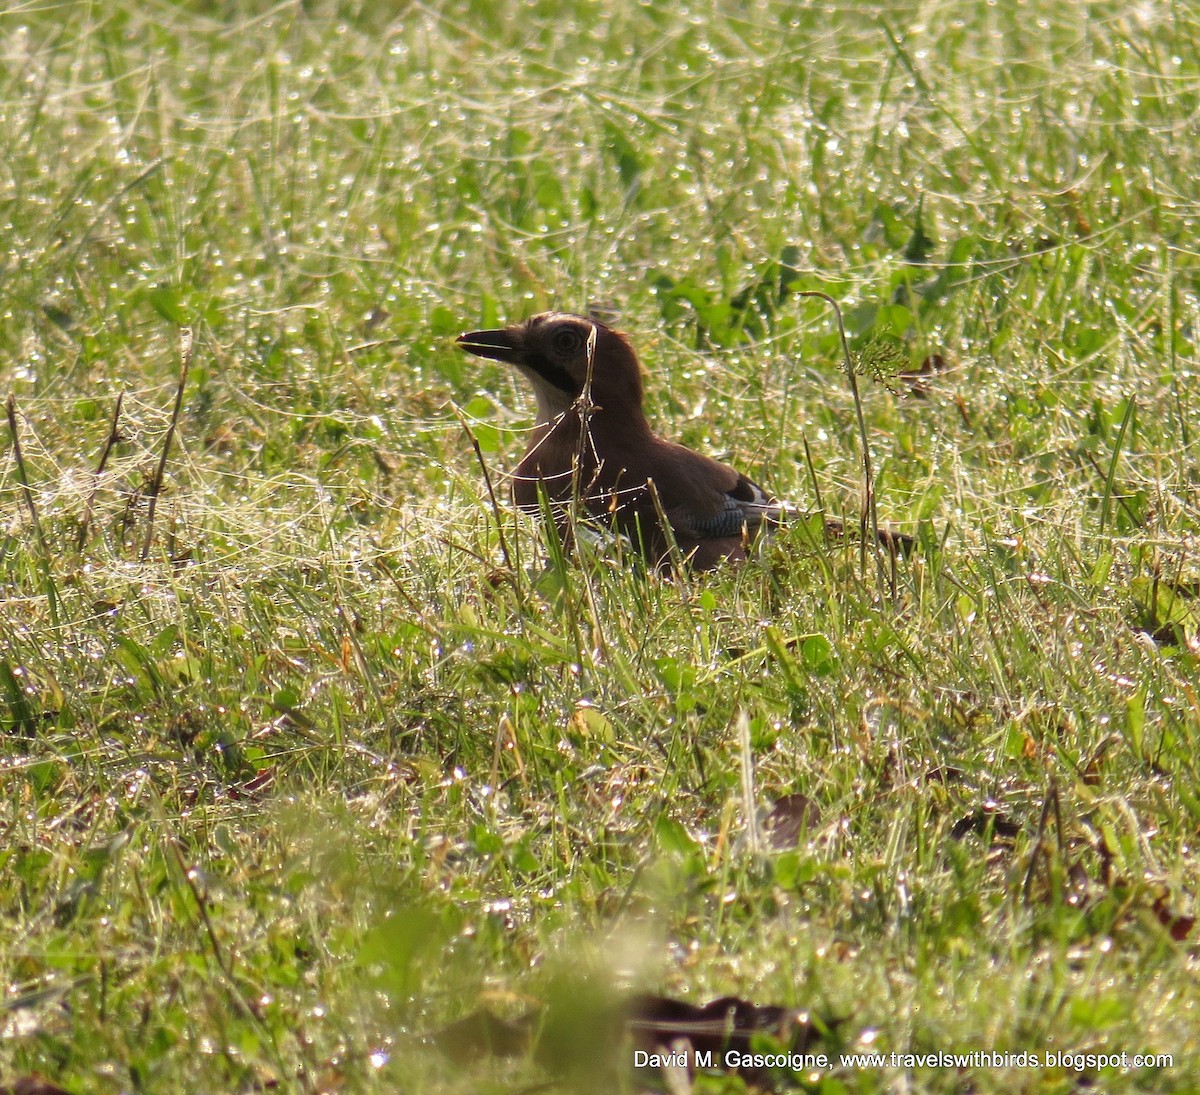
x,y
559,353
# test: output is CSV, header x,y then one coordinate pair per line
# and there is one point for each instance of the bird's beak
x,y
499,345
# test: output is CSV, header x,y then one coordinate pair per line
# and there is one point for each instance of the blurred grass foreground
x,y
306,752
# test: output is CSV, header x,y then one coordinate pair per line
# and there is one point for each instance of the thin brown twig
x,y
487,478
114,435
23,475
867,510
185,347
1050,802
584,406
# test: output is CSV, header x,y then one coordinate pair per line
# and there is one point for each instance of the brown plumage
x,y
623,473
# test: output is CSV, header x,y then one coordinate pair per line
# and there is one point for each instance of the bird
x,y
592,444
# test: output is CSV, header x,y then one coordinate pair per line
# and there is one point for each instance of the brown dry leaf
x,y
252,788
1178,927
1001,826
790,818
32,1085
657,1023
918,379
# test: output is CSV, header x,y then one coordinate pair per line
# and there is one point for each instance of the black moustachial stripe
x,y
553,374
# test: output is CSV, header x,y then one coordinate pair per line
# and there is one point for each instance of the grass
x,y
319,775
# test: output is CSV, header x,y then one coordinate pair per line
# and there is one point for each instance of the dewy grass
x,y
341,761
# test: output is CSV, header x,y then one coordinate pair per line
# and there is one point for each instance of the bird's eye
x,y
566,341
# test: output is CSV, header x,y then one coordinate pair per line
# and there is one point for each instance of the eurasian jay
x,y
591,441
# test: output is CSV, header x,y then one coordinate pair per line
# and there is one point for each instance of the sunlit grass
x,y
326,771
